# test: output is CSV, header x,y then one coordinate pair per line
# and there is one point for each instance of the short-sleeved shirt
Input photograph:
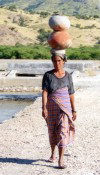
x,y
51,82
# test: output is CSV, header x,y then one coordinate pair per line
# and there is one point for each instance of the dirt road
x,y
24,145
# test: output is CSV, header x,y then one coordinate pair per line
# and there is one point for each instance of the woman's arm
x,y
72,100
44,103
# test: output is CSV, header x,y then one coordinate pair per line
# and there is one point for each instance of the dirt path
x,y
24,145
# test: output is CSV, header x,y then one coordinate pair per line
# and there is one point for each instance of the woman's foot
x,y
51,159
61,165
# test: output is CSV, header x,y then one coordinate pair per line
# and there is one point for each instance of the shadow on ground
x,y
26,161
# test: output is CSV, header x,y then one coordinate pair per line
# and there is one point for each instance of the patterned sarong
x,y
60,124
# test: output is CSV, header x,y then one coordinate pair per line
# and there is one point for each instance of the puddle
x,y
8,108
10,104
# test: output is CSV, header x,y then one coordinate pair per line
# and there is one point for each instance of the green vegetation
x,y
84,53
12,7
44,14
86,16
85,27
43,35
43,52
98,40
22,22
24,52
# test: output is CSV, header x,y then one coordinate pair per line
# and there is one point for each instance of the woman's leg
x,y
63,138
52,138
61,156
52,152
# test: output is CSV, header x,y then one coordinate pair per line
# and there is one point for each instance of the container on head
x,y
58,22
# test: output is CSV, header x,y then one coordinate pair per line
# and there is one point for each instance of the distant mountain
x,y
69,7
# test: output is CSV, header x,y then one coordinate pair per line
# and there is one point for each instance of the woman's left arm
x,y
72,100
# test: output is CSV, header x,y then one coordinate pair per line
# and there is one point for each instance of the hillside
x,y
68,7
20,27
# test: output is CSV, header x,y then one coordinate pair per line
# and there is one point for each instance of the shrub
x,y
44,14
85,27
78,26
22,21
12,7
56,13
43,35
82,16
84,53
43,52
98,40
90,27
6,52
31,12
96,16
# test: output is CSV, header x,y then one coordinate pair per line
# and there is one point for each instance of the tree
x,y
12,7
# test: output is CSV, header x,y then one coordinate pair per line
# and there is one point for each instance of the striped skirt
x,y
60,128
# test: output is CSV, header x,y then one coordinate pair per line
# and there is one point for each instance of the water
x,y
12,103
19,96
8,108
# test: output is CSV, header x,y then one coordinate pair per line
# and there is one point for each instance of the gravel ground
x,y
24,145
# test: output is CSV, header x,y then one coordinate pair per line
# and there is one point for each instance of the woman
x,y
58,108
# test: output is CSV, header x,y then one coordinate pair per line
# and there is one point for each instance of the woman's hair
x,y
62,56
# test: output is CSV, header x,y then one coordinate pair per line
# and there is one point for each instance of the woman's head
x,y
58,60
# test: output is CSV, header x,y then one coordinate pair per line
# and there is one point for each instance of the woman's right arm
x,y
44,103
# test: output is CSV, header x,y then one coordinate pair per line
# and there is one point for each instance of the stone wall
x,y
26,75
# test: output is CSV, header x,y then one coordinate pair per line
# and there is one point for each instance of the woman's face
x,y
58,62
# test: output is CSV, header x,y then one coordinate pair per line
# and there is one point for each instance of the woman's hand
x,y
44,113
44,103
74,115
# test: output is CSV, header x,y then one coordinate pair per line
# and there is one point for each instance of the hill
x,y
68,7
21,27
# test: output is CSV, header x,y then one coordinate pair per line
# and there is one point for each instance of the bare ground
x,y
24,145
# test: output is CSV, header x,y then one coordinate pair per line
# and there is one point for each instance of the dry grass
x,y
35,22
